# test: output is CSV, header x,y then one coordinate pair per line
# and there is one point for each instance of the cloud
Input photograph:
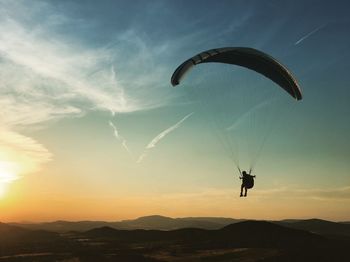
x,y
47,75
160,136
23,154
119,137
167,131
41,68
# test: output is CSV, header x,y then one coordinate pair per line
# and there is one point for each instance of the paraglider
x,y
247,182
252,59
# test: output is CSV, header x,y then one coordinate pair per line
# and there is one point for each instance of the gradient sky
x,y
92,129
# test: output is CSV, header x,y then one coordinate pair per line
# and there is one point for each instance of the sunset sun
x,y
7,175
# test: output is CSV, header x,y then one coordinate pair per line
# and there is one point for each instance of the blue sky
x,y
87,105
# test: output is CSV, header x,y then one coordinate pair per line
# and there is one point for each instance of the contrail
x,y
309,34
236,123
119,137
167,131
159,137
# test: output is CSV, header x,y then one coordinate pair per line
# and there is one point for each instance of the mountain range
x,y
239,241
157,222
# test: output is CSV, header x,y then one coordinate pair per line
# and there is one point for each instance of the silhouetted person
x,y
247,182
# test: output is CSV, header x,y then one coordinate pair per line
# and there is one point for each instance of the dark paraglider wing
x,y
245,57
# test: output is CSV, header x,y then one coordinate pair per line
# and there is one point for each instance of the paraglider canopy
x,y
246,57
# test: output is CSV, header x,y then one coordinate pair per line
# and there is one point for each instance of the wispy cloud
x,y
56,69
309,34
119,137
22,153
57,75
47,75
160,136
166,132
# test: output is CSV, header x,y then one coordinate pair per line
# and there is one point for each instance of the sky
x,y
91,128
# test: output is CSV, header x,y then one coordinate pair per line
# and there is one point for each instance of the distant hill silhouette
x,y
157,222
62,226
241,234
12,234
146,222
241,241
167,223
319,226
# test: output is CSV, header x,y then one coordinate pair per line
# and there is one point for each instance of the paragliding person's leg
x,y
245,191
241,191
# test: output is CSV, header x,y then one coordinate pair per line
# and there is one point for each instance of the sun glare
x,y
7,175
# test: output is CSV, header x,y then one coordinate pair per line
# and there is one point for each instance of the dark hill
x,y
126,236
103,232
12,234
320,226
243,241
267,234
7,231
242,234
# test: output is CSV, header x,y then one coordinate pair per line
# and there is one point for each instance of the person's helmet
x,y
244,173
